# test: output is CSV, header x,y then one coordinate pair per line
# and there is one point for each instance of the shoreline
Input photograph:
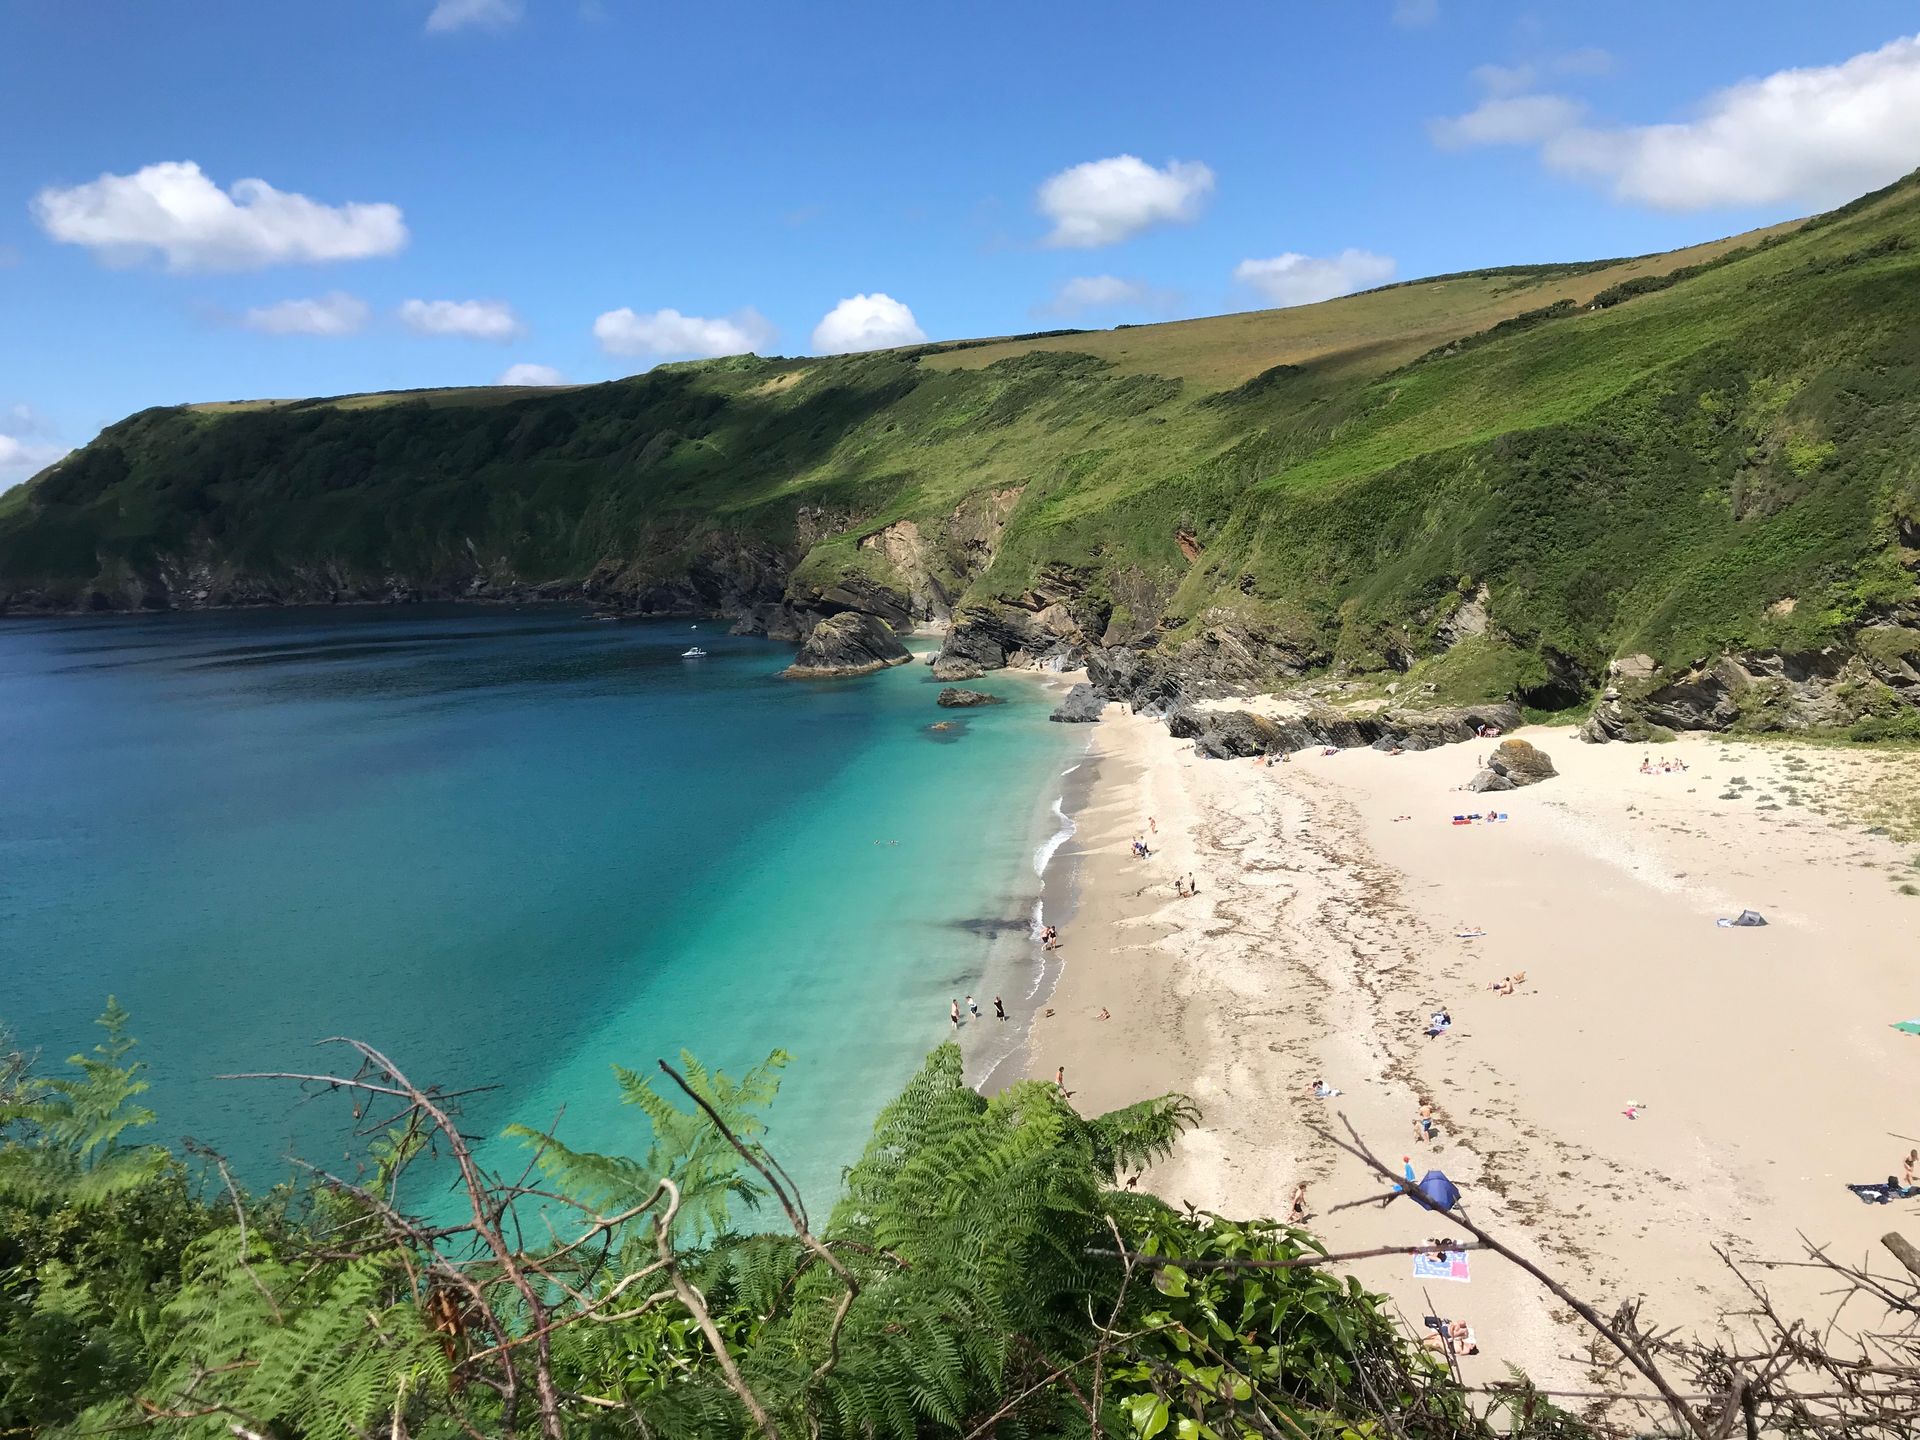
x,y
1325,931
1016,967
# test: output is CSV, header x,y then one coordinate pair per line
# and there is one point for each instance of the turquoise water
x,y
508,847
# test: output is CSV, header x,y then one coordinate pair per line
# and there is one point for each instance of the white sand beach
x,y
1324,933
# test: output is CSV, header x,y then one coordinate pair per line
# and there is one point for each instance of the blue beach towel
x,y
1450,1266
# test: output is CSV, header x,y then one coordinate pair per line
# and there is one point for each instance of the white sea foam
x,y
1070,769
1043,855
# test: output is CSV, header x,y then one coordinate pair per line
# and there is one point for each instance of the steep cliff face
x,y
1485,486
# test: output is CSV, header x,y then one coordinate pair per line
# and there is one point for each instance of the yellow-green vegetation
x,y
1676,455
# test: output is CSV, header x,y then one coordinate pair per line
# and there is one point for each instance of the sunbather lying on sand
x,y
1450,1337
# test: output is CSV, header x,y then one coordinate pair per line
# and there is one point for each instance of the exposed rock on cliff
x,y
946,667
1083,705
1761,690
1226,733
847,644
953,699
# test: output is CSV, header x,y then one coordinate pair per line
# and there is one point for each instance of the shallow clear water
x,y
510,848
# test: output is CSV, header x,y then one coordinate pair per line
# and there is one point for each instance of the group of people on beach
x,y
1665,767
973,1009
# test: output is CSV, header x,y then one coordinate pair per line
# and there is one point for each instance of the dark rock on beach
x,y
849,643
954,699
1082,706
1513,763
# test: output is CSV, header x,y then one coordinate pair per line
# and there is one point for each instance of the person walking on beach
x,y
973,1007
954,1012
1060,1077
1297,1211
1423,1123
999,1010
1907,1168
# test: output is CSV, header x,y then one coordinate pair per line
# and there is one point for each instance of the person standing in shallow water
x,y
999,1010
973,1007
953,1012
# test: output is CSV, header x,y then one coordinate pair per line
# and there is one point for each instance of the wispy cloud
x,y
1296,279
667,334
467,319
449,15
526,373
1097,294
332,314
28,444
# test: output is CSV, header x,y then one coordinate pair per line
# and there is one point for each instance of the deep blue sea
x,y
510,847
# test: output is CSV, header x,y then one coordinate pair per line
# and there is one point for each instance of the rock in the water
x,y
849,643
1083,704
948,667
1519,763
954,699
1490,779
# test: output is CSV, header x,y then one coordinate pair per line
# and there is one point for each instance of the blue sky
x,y
499,183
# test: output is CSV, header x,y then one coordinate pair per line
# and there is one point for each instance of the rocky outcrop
x,y
1226,733
1757,690
1521,761
953,699
1223,659
1514,763
1082,705
946,667
995,636
847,644
934,560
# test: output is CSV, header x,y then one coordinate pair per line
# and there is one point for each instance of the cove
x,y
510,848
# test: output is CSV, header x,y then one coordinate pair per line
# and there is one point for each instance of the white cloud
x,y
866,322
172,209
1507,120
27,445
668,333
487,14
1811,136
1412,14
527,374
1504,79
469,319
335,313
1105,201
1295,279
1085,294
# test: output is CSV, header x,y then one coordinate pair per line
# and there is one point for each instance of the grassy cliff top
x,y
1645,454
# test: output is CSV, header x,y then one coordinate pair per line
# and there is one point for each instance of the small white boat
x,y
696,653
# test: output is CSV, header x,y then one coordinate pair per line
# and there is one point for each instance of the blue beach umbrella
x,y
1440,1191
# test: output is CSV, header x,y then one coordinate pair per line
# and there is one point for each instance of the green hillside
x,y
1493,483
